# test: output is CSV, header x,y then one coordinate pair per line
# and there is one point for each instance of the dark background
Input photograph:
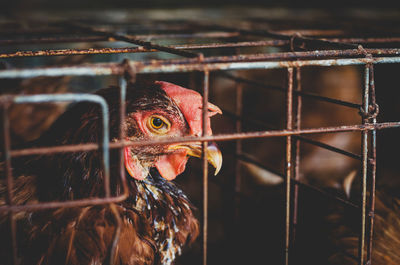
x,y
15,6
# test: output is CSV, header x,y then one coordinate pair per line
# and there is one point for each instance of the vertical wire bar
x,y
364,146
288,165
205,165
296,160
10,182
373,167
122,114
238,177
122,110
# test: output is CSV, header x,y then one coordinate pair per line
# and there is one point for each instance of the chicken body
x,y
157,217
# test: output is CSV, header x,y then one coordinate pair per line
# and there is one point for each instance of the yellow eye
x,y
158,124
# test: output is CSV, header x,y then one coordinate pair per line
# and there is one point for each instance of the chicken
x,y
344,230
157,217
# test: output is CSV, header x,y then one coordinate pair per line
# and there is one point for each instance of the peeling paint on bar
x,y
85,70
259,65
155,67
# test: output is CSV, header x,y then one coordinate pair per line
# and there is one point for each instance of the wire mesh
x,y
207,48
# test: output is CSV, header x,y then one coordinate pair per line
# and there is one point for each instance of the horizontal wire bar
x,y
219,137
287,56
158,66
67,204
155,67
139,49
76,52
247,158
79,70
302,138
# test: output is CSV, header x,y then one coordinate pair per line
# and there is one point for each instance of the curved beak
x,y
213,154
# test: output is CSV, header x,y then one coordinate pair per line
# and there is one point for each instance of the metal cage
x,y
209,47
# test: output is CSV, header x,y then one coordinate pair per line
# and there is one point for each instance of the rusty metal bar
x,y
364,146
81,70
205,163
117,233
298,137
65,204
296,160
75,52
371,212
220,137
238,151
240,44
289,56
9,180
137,49
165,67
366,40
182,66
104,143
288,163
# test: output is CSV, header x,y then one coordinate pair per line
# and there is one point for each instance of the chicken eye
x,y
158,124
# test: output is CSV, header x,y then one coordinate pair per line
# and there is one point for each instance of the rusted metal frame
x,y
134,40
43,40
219,137
122,110
81,70
284,56
76,52
296,55
238,125
297,137
296,92
206,82
288,164
65,204
247,158
155,67
296,151
364,164
366,40
240,44
9,179
372,164
104,143
136,49
238,150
